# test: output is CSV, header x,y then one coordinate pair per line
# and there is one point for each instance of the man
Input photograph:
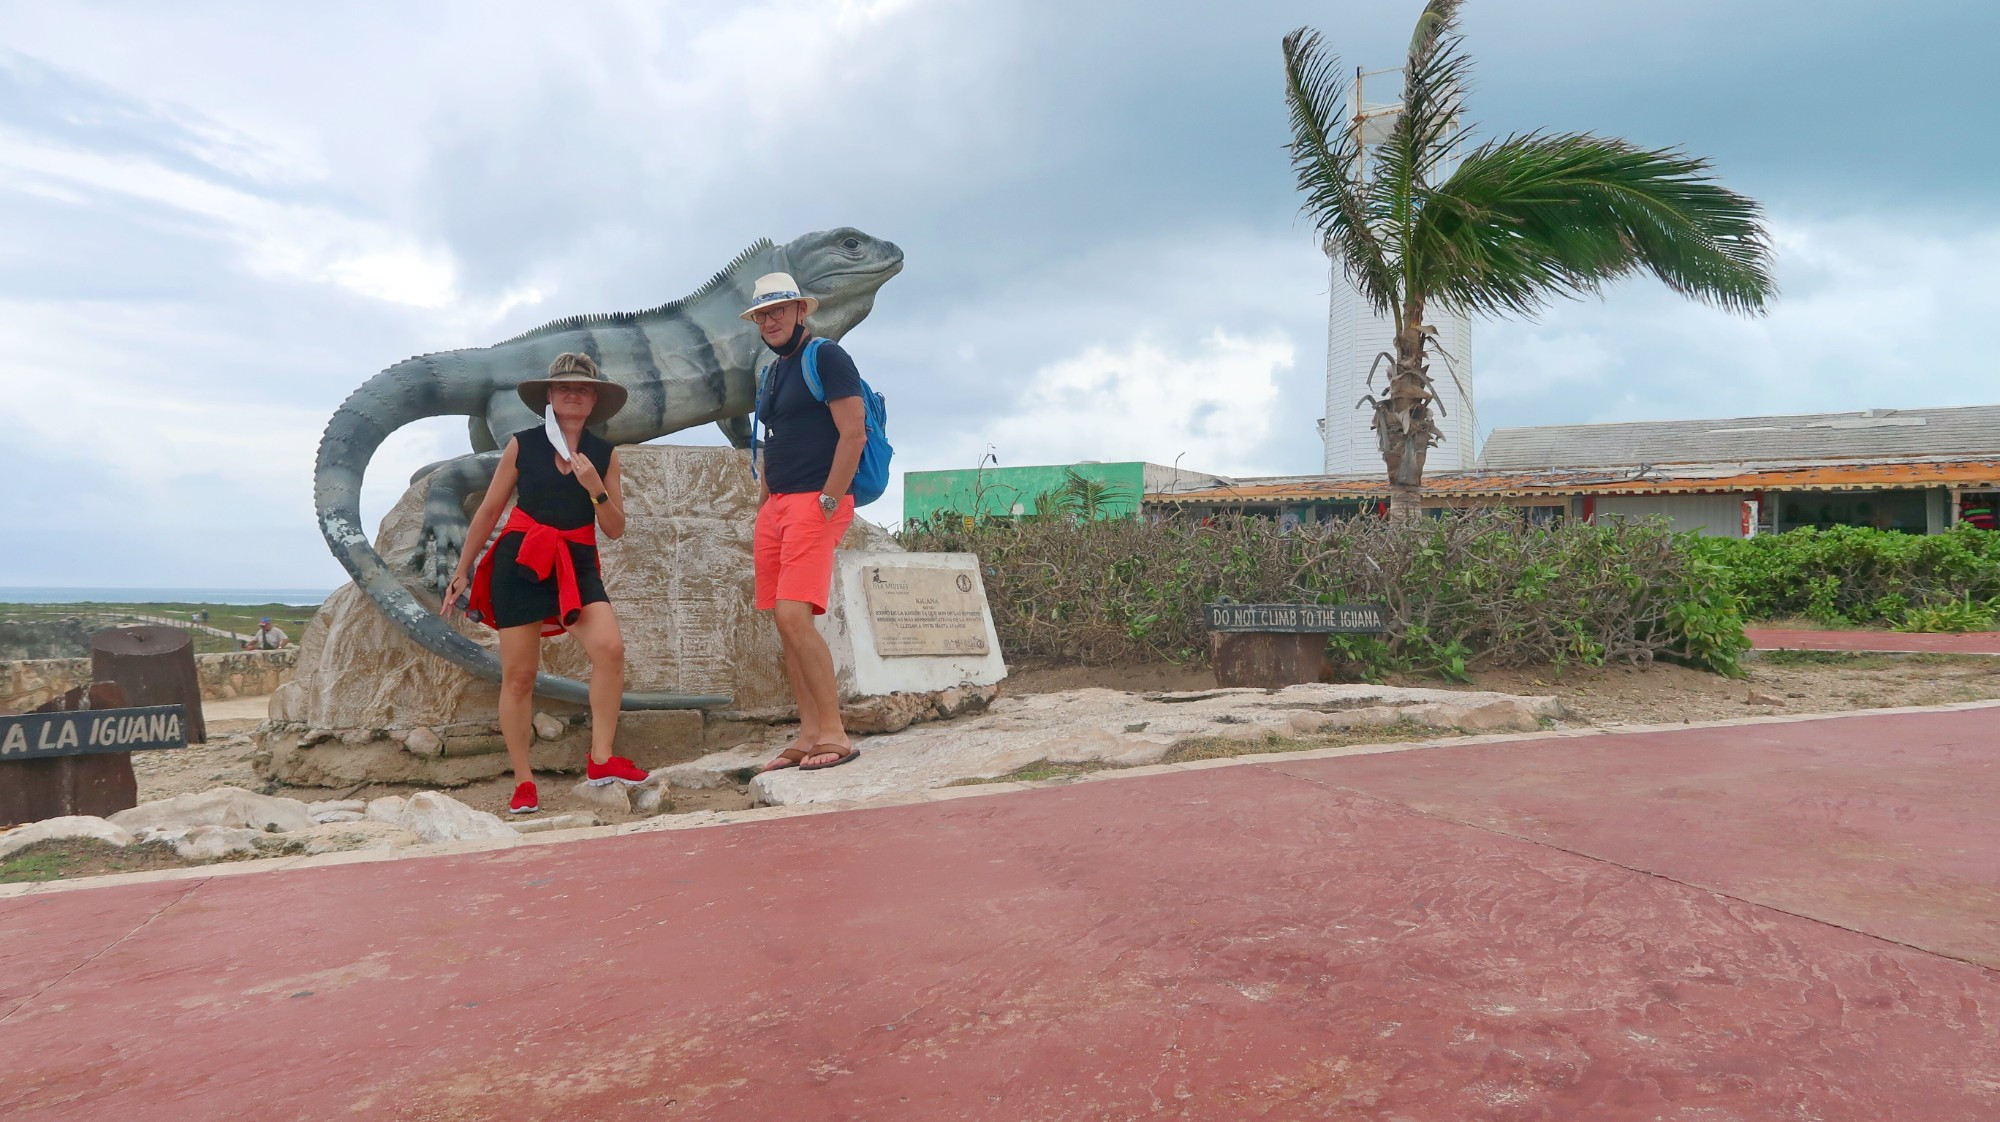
x,y
803,506
266,637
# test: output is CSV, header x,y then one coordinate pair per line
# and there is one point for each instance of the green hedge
x,y
1851,576
1464,590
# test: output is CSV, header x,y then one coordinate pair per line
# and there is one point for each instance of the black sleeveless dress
x,y
553,499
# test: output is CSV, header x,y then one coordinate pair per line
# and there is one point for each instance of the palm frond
x,y
1535,216
1324,150
1434,84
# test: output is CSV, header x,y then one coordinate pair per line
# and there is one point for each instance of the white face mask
x,y
555,433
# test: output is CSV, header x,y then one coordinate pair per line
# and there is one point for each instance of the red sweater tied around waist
x,y
542,551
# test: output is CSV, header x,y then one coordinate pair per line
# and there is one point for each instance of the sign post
x,y
73,759
1271,646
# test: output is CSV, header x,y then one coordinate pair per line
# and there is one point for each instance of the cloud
x,y
213,227
1870,315
1143,401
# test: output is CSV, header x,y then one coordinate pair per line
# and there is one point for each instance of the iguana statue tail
x,y
687,362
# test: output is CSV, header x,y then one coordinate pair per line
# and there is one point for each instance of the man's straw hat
x,y
572,367
776,288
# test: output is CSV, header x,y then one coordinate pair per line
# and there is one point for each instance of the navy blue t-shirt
x,y
802,433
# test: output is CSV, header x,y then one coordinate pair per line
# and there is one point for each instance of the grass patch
x,y
1217,748
240,618
64,858
1035,772
1869,660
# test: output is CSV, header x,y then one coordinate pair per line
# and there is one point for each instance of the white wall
x,y
1354,336
1717,516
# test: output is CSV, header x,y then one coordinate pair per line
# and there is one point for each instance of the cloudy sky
x,y
217,219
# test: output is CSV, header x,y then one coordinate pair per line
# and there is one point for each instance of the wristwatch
x,y
600,498
828,503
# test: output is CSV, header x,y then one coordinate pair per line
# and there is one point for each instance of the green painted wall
x,y
998,490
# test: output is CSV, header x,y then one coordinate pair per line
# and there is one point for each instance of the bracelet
x,y
600,498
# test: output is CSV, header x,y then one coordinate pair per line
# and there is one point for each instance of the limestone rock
x,y
680,576
423,742
1758,697
329,806
1492,716
549,727
207,843
717,769
223,806
553,822
67,826
655,739
436,817
326,816
340,837
613,797
1117,729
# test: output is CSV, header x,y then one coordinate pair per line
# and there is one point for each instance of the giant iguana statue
x,y
685,363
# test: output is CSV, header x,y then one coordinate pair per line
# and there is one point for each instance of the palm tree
x,y
1515,223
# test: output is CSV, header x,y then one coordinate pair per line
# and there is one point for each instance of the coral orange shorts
x,y
794,547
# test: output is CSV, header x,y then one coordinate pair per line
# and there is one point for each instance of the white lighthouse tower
x,y
1355,335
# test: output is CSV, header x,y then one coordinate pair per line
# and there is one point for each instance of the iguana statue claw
x,y
687,362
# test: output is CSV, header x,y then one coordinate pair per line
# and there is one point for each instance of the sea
x,y
299,596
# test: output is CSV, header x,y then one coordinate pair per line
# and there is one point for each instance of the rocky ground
x,y
1609,697
1122,716
1790,682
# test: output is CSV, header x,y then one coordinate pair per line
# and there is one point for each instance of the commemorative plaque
x,y
925,611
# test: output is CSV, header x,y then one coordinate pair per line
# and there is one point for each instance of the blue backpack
x,y
871,476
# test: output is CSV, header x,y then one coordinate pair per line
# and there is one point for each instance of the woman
x,y
541,578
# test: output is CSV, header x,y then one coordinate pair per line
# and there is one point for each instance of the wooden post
x,y
1268,660
99,784
1271,646
154,666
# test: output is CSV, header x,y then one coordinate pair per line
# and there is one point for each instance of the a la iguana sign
x,y
1332,619
40,736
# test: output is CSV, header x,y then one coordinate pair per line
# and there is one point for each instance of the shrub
x,y
1855,576
1462,590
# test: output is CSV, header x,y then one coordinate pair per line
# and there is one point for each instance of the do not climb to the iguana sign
x,y
42,736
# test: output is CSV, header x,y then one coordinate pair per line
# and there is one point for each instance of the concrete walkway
x,y
1887,642
1776,920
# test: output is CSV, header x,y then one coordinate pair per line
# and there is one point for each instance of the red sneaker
x,y
525,801
617,769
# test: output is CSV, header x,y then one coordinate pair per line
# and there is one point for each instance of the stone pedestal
x,y
366,703
910,632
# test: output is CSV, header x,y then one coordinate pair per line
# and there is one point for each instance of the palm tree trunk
x,y
1403,425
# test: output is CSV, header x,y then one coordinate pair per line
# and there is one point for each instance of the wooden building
x,y
1915,470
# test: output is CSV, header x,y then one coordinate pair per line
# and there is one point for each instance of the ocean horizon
x,y
45,595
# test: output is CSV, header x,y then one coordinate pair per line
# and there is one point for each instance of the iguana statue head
x,y
843,268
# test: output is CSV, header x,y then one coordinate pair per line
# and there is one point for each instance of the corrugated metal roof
x,y
1972,430
1680,479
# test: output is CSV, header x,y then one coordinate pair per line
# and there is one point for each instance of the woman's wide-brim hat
x,y
570,367
777,288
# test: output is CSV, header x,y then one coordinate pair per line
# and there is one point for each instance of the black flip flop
x,y
852,753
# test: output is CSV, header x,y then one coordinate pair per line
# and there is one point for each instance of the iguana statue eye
x,y
852,243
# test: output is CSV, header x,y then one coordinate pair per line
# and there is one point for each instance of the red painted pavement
x,y
1858,821
1246,942
1889,642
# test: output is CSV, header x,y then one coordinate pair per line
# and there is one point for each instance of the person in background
x,y
267,637
1978,510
